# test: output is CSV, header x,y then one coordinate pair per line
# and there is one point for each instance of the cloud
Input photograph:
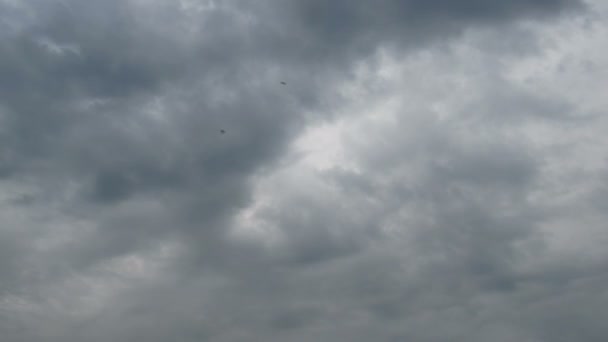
x,y
462,159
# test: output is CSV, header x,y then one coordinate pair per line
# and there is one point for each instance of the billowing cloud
x,y
302,170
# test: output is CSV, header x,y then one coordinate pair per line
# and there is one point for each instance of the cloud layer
x,y
429,171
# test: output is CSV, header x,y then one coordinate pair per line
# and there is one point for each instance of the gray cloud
x,y
127,214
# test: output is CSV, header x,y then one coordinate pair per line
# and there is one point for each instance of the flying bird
x,y
283,83
222,131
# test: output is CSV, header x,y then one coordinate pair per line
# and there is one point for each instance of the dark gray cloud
x,y
128,215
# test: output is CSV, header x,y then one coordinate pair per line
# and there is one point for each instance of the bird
x,y
222,131
283,83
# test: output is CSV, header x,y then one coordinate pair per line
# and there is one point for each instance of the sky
x,y
430,170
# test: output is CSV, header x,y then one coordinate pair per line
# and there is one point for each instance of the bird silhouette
x,y
222,131
283,83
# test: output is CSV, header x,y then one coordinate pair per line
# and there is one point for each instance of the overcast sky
x,y
431,170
